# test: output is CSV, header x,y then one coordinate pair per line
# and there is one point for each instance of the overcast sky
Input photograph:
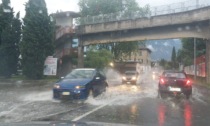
x,y
71,5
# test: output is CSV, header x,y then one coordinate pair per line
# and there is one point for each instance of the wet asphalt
x,y
121,104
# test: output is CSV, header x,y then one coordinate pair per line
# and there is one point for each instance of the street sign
x,y
50,66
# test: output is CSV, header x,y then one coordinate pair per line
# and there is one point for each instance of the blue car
x,y
79,84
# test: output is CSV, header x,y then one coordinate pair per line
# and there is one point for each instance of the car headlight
x,y
79,87
57,86
124,78
133,78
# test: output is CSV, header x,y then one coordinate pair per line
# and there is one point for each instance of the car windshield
x,y
175,75
115,62
80,74
130,73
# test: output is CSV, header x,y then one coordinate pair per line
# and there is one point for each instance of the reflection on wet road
x,y
121,104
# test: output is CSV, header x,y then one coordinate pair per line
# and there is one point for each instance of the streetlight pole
x,y
195,66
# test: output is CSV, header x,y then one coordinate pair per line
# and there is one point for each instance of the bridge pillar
x,y
80,54
208,61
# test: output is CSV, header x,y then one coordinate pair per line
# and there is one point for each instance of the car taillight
x,y
188,83
162,81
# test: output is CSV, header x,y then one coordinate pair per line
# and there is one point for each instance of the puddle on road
x,y
197,95
39,103
38,96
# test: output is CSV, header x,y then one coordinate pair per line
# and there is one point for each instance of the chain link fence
x,y
145,12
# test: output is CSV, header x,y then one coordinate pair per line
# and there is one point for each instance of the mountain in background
x,y
162,49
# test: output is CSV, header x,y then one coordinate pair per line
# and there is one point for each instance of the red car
x,y
174,83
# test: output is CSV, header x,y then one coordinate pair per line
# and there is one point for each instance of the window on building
x,y
140,60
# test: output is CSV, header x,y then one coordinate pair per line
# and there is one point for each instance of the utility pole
x,y
195,66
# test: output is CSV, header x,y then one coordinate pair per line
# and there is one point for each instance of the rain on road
x,y
121,104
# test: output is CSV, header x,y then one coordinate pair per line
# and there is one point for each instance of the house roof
x,y
144,48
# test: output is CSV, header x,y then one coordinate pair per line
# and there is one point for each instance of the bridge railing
x,y
146,12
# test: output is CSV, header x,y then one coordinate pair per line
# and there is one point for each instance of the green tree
x,y
163,63
186,54
10,32
126,7
98,58
6,15
97,7
123,48
37,42
16,37
173,57
166,64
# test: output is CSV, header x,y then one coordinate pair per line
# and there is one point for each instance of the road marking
x,y
55,114
90,112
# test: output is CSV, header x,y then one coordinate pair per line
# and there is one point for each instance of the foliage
x,y
97,7
126,7
98,58
173,58
10,33
162,62
165,64
117,48
186,54
123,48
38,36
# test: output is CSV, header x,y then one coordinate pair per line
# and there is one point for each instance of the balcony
x,y
63,31
66,52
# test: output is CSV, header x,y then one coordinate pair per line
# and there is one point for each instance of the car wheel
x,y
161,94
188,96
91,94
158,96
106,86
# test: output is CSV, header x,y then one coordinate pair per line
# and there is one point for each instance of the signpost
x,y
50,66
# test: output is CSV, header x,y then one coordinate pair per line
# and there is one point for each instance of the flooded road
x,y
25,101
121,104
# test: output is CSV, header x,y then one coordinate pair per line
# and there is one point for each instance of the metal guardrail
x,y
146,12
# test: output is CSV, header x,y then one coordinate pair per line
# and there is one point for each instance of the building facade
x,y
65,41
140,59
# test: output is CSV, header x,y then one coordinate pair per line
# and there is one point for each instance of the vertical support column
x,y
80,54
208,61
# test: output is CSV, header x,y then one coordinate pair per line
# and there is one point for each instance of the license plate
x,y
128,82
174,89
65,93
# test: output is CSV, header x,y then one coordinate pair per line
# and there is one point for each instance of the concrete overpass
x,y
194,23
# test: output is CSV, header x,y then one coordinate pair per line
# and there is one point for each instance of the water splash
x,y
122,95
38,96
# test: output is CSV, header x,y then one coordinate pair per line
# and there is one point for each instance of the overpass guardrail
x,y
145,12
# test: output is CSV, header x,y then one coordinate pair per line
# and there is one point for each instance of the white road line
x,y
88,113
92,111
58,113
